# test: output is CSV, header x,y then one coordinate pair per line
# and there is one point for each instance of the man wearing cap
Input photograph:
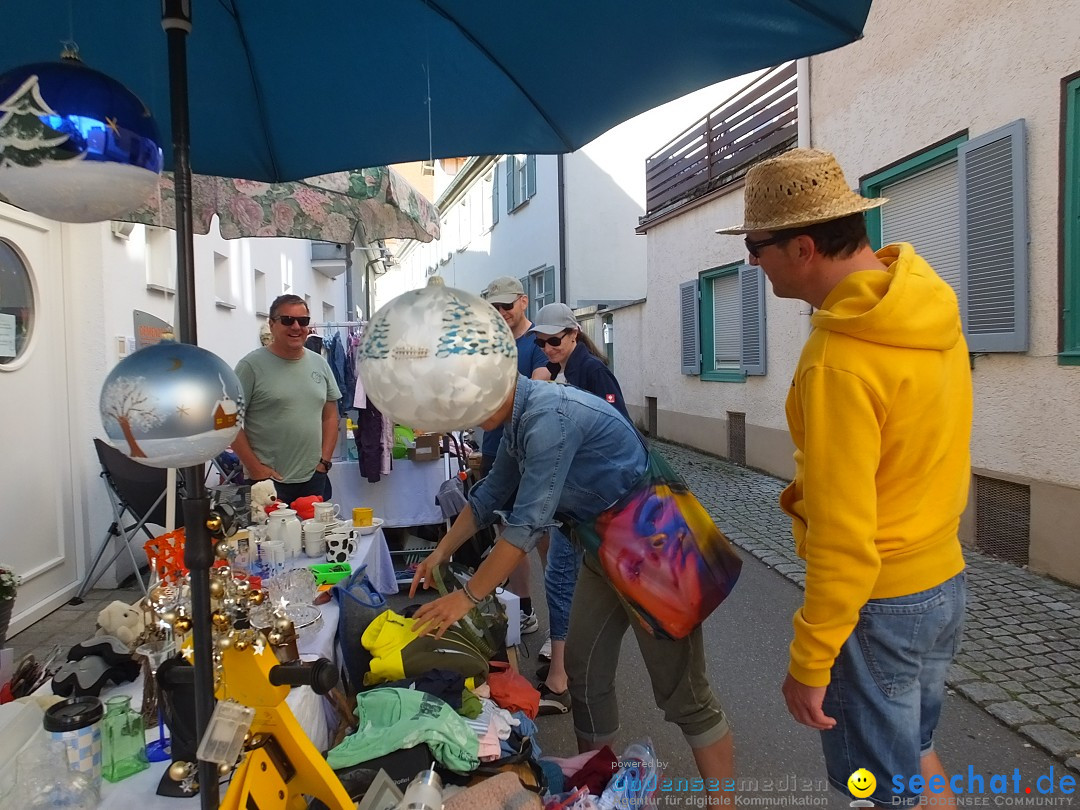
x,y
508,296
880,414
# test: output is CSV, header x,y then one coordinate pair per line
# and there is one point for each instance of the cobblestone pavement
x,y
1021,655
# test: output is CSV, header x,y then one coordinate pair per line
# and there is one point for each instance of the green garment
x,y
283,407
392,719
471,706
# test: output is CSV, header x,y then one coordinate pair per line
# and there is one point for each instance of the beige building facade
x,y
970,124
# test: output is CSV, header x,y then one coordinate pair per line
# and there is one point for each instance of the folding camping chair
x,y
134,490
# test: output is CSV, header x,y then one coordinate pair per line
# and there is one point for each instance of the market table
x,y
138,792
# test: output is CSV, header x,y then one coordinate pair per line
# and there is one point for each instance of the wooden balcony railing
x,y
716,150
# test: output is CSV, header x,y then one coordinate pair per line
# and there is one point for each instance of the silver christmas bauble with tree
x,y
438,359
172,405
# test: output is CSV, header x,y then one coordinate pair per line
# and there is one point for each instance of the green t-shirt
x,y
284,402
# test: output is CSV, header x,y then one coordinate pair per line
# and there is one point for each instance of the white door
x,y
38,532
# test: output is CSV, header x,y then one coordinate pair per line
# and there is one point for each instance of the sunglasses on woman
x,y
289,320
552,341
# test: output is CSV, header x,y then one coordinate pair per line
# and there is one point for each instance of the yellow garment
x,y
880,414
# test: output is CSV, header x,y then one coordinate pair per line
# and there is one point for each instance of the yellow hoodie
x,y
880,414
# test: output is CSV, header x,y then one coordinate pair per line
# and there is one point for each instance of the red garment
x,y
597,772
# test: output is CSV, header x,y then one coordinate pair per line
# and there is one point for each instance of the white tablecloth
x,y
405,497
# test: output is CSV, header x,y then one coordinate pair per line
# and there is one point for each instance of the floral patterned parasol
x,y
328,207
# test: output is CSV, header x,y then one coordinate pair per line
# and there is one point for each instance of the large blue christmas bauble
x,y
172,405
75,145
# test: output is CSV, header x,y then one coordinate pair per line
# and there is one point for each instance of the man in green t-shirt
x,y
290,417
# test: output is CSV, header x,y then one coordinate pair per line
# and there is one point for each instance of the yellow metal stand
x,y
281,766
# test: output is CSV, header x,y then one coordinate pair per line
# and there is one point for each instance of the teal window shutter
x,y
994,240
530,177
1070,226
689,351
549,285
495,194
752,293
530,310
511,183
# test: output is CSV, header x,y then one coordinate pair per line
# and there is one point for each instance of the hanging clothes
x,y
368,435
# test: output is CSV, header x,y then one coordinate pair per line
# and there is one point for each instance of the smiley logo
x,y
861,783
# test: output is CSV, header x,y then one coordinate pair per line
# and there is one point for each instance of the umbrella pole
x,y
198,549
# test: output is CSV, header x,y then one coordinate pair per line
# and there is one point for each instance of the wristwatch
x,y
325,463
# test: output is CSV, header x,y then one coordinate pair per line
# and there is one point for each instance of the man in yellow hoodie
x,y
880,413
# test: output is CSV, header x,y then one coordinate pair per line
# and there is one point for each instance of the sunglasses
x,y
289,320
504,307
551,341
753,247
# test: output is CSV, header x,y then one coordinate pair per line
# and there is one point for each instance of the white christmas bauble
x,y
171,405
438,359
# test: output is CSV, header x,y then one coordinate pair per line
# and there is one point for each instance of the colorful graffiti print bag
x,y
662,553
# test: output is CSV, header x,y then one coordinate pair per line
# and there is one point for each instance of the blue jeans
x,y
560,577
888,684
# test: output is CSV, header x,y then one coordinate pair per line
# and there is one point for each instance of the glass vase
x,y
123,740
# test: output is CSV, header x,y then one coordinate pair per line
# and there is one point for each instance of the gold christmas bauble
x,y
170,617
217,589
180,770
224,643
220,619
274,637
283,624
224,770
257,597
241,644
221,549
182,624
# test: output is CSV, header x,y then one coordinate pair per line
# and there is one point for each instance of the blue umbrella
x,y
282,90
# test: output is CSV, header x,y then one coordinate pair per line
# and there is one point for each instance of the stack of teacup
x,y
320,528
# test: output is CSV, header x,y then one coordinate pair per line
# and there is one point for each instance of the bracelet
x,y
468,593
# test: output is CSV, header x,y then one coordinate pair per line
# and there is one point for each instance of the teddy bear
x,y
263,494
124,622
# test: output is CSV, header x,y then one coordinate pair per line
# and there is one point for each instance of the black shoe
x,y
553,702
542,672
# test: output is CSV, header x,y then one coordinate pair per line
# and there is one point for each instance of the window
x,y
722,324
539,285
223,295
262,303
489,203
1070,304
160,260
18,307
963,205
520,180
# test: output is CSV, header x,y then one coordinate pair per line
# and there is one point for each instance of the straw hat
x,y
800,187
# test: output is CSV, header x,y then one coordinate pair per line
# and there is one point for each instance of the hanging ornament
x,y
438,359
171,405
75,145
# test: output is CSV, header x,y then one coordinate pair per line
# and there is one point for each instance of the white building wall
x,y
605,197
106,280
471,253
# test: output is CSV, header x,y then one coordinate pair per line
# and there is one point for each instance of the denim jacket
x,y
565,451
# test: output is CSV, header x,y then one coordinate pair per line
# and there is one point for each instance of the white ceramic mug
x,y
326,512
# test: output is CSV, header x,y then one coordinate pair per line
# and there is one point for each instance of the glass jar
x,y
123,740
43,781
